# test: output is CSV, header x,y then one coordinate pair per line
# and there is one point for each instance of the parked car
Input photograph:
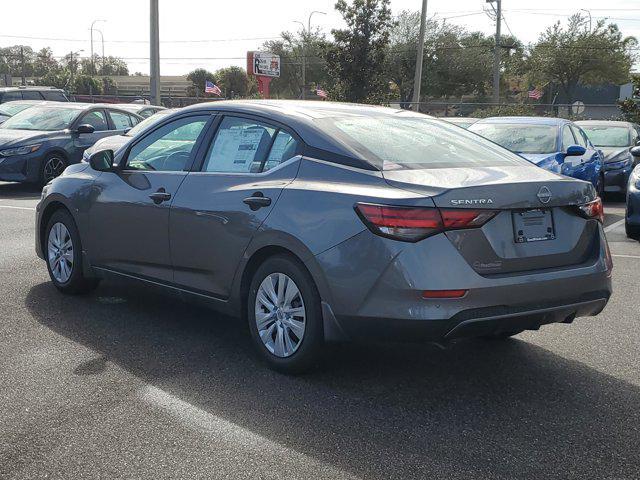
x,y
9,109
555,144
144,111
37,144
632,214
326,221
615,140
9,94
464,122
115,142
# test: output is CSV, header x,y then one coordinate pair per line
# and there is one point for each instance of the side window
x,y
169,147
567,137
635,135
134,120
54,96
121,120
96,119
284,147
11,96
240,146
31,95
580,138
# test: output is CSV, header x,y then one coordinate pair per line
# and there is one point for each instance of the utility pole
x,y
22,67
70,71
497,52
417,81
102,38
155,53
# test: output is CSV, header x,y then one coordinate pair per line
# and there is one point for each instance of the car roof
x,y
29,102
19,88
552,121
610,123
136,107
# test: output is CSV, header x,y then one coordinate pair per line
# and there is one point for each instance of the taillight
x,y
411,224
593,209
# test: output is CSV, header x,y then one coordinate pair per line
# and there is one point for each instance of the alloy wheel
x,y
53,167
60,252
280,315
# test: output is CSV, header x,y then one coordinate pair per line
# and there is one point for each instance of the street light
x,y
102,38
93,64
589,13
304,51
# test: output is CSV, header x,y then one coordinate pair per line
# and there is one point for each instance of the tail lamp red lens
x,y
428,294
411,224
593,209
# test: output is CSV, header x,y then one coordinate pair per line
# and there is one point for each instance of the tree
x,y
356,59
233,81
44,63
86,84
198,79
575,55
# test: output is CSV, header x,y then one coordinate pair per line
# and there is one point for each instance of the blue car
x,y
632,214
555,144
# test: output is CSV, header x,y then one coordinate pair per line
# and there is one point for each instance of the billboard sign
x,y
266,64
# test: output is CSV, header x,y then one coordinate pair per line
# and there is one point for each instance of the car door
x,y
590,162
129,208
97,118
221,204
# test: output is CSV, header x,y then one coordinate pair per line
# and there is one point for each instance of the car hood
x,y
9,138
109,143
611,153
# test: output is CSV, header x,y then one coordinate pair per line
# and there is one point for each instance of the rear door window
x,y
284,147
54,96
96,119
31,95
121,120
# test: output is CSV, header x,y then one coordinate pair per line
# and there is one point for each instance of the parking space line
x,y
625,256
17,208
613,226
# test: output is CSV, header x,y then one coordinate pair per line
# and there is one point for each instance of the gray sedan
x,y
317,221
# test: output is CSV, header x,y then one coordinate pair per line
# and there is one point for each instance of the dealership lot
x,y
128,382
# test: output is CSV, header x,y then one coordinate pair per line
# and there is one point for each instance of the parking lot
x,y
128,382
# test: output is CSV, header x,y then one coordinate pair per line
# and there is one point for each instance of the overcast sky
x,y
213,33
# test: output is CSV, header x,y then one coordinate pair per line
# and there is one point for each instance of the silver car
x,y
318,221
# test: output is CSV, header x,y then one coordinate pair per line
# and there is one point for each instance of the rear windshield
x,y
413,141
605,136
518,137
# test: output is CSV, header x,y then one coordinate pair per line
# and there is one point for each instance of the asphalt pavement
x,y
129,382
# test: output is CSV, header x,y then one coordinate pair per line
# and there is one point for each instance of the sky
x,y
212,34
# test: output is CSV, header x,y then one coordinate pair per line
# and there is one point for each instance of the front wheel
x,y
63,254
52,167
284,314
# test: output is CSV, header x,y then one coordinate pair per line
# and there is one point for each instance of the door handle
x,y
160,196
257,200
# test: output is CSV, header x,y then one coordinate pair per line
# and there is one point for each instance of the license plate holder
x,y
535,225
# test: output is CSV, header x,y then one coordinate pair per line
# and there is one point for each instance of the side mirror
x,y
85,128
635,151
575,151
126,130
102,160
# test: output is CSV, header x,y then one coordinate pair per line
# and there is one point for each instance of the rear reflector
x,y
444,293
411,224
593,209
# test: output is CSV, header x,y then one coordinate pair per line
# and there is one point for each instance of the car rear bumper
x,y
378,294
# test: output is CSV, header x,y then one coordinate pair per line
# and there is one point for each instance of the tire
x,y
502,335
600,187
292,341
63,263
52,166
632,231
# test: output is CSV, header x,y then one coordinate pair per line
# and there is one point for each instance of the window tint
x,y
240,146
31,95
169,147
96,119
284,147
579,137
11,96
54,96
121,121
520,138
567,137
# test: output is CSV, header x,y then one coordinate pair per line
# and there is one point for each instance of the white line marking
x,y
226,437
17,208
626,256
613,226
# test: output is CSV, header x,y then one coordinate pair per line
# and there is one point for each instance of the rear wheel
x,y
63,254
284,314
52,166
632,231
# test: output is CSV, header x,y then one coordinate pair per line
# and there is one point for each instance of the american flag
x,y
321,93
535,94
210,87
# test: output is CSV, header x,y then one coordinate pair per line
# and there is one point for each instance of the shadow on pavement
x,y
20,190
477,410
